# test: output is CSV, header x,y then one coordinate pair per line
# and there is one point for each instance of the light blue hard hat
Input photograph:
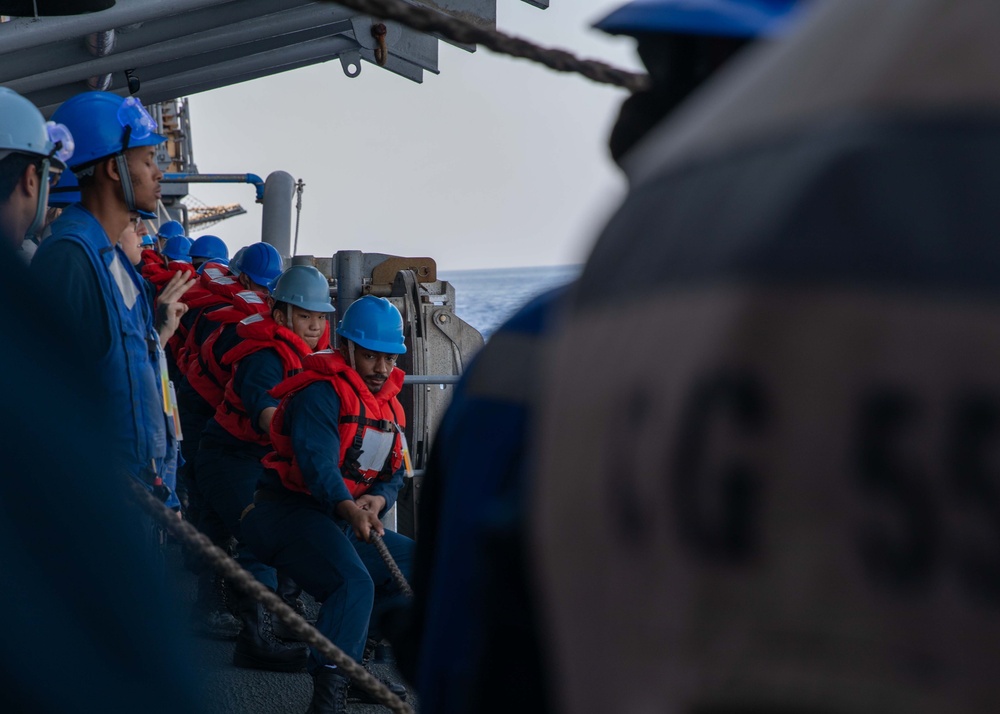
x,y
23,130
723,18
103,124
375,324
211,247
66,192
170,229
177,247
148,240
303,286
261,262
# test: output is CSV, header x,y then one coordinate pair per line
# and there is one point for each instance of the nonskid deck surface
x,y
230,690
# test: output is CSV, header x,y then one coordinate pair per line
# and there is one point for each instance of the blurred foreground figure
x,y
476,625
772,485
90,623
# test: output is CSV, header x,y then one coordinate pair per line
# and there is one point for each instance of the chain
x,y
430,21
192,538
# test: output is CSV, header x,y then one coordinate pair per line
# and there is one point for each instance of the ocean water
x,y
486,298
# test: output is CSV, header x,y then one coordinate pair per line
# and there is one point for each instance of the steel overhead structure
x,y
180,47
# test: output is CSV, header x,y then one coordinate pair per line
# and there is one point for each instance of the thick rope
x,y
390,563
431,21
224,565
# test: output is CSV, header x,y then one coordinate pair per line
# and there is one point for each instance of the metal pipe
x,y
274,25
431,378
350,277
254,179
27,32
100,44
276,223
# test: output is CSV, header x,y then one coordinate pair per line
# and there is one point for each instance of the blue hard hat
x,y
177,247
724,18
261,262
170,229
23,130
148,240
303,286
375,324
234,263
209,247
66,192
101,122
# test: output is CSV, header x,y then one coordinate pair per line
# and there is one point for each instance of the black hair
x,y
281,306
12,169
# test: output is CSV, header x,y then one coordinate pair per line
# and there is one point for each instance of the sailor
x,y
82,265
223,299
338,464
476,616
168,230
32,156
208,248
787,483
234,441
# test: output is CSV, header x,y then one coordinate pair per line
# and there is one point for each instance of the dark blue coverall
x,y
228,468
299,535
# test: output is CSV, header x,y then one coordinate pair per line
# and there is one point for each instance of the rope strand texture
x,y
427,20
390,563
219,560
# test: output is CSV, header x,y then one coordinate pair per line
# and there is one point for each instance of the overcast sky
x,y
495,162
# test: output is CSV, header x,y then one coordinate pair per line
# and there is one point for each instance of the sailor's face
x,y
145,175
306,324
374,367
131,243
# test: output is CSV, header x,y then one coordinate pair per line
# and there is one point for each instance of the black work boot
x,y
360,695
210,616
329,692
258,648
289,592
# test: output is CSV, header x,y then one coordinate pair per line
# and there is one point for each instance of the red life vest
x,y
260,333
215,289
360,410
205,373
159,274
150,258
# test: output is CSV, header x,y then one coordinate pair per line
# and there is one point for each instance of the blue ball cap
x,y
722,18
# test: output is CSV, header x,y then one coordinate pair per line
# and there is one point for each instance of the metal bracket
x,y
351,62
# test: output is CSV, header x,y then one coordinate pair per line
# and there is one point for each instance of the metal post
x,y
276,229
350,267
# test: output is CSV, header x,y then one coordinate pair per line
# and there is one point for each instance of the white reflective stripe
x,y
213,273
125,285
375,448
225,280
506,369
249,296
252,319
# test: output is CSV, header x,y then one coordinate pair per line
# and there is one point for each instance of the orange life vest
x,y
360,410
260,333
205,372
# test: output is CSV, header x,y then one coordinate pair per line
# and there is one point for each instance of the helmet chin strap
x,y
350,352
123,172
126,177
43,200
